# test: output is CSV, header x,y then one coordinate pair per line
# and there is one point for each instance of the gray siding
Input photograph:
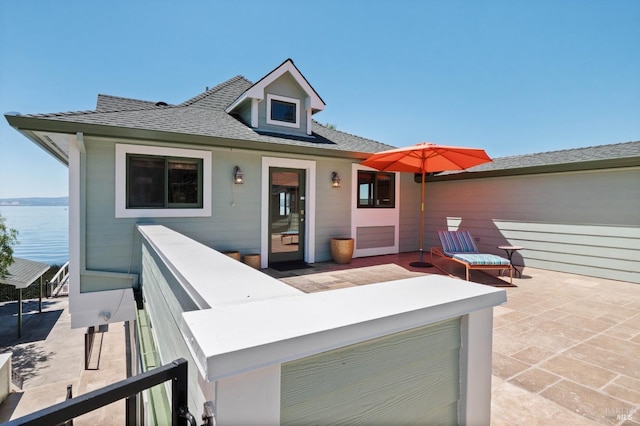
x,y
165,301
284,86
375,236
405,378
113,245
580,222
409,213
333,205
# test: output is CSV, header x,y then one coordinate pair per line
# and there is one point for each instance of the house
x,y
158,191
286,208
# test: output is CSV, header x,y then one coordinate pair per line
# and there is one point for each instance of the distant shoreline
x,y
34,201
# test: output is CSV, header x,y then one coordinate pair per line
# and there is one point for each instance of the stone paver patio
x,y
566,348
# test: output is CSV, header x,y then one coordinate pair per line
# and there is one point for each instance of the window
x,y
283,111
153,181
163,182
376,189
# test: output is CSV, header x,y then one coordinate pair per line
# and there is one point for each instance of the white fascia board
x,y
269,332
257,90
237,102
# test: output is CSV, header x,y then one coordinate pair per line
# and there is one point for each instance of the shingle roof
x,y
204,115
567,159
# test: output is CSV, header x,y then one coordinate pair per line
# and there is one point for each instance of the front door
x,y
286,215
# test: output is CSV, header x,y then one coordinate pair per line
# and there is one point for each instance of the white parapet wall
x,y
262,348
5,376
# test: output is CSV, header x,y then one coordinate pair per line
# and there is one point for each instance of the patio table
x,y
510,250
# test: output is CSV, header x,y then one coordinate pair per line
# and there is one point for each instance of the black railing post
x,y
179,393
82,404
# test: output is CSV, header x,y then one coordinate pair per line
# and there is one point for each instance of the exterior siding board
x,y
375,236
112,245
284,86
333,217
578,222
406,378
409,213
165,303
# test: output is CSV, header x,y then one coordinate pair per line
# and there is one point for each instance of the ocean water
x,y
43,232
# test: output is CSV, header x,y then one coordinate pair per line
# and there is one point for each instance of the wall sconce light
x,y
335,180
238,176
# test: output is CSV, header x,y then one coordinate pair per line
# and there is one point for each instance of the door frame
x,y
310,201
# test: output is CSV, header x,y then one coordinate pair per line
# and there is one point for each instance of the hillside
x,y
35,201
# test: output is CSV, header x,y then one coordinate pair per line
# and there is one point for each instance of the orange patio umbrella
x,y
426,158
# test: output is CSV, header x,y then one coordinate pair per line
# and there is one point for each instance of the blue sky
x,y
512,77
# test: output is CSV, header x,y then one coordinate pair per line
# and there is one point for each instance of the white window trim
x,y
121,181
283,99
388,216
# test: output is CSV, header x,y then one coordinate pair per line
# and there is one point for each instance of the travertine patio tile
x,y
633,322
547,341
624,347
618,297
560,329
534,380
590,403
578,371
582,322
554,314
624,315
610,360
533,355
512,405
630,395
512,329
510,318
507,345
589,307
506,367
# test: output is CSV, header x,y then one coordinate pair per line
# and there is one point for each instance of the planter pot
x,y
232,254
252,260
342,249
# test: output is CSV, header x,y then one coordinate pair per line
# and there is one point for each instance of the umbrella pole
x,y
421,263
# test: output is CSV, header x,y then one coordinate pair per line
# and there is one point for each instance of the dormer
x,y
283,101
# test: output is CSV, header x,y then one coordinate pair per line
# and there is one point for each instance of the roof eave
x,y
612,163
27,125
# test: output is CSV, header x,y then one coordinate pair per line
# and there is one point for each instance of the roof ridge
x,y
213,90
125,98
349,134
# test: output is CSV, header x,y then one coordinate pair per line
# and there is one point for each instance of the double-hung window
x,y
154,181
376,189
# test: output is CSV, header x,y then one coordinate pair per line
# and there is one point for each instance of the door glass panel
x,y
286,216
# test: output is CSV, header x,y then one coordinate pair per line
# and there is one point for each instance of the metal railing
x,y
59,284
67,410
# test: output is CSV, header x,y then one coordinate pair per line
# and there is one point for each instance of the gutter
x,y
610,163
27,124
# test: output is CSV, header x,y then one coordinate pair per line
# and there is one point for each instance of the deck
x,y
565,346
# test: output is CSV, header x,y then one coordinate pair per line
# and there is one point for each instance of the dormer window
x,y
283,111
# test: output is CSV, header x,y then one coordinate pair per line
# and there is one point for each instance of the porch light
x,y
238,176
335,180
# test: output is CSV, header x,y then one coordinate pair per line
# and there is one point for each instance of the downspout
x,y
82,189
